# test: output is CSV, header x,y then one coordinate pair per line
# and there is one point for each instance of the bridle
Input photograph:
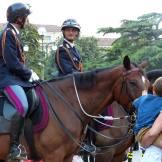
x,y
125,89
56,92
124,82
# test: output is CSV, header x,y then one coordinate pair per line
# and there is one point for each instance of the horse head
x,y
131,84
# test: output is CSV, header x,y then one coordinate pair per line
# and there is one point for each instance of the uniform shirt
x,y
65,61
147,108
12,71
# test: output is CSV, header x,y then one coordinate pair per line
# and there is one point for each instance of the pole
x,y
43,71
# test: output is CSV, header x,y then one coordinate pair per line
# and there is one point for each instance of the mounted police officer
x,y
14,75
68,59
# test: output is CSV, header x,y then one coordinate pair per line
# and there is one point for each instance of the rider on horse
x,y
14,74
68,59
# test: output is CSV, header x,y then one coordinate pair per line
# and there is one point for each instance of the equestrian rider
x,y
14,75
68,58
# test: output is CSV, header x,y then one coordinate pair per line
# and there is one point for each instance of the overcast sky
x,y
91,14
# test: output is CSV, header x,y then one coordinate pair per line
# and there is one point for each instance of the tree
x,y
30,38
139,39
90,52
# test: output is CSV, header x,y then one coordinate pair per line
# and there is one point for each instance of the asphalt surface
x,y
136,157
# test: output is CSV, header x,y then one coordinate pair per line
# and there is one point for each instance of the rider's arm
x,y
12,60
153,133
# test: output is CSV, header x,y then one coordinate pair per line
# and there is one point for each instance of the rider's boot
x,y
88,143
16,150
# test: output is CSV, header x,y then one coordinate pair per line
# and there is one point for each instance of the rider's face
x,y
26,21
71,33
22,22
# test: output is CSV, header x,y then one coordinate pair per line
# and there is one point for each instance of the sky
x,y
90,14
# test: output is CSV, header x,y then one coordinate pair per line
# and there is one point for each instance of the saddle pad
x,y
42,123
108,112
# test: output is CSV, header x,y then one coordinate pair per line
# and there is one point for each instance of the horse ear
x,y
126,62
144,64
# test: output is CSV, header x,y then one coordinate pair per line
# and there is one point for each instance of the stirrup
x,y
23,152
89,148
22,155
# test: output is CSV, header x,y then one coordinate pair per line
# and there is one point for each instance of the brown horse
x,y
117,153
59,141
116,138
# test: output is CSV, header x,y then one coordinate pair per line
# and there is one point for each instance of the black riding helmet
x,y
70,23
17,10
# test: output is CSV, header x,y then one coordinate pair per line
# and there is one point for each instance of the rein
x,y
54,113
55,91
100,116
78,143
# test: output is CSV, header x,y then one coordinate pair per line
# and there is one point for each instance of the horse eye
x,y
133,83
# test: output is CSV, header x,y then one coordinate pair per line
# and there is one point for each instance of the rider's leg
x,y
17,97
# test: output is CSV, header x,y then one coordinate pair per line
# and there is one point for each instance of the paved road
x,y
136,157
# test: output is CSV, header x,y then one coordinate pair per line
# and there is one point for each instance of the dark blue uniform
x,y
68,59
12,68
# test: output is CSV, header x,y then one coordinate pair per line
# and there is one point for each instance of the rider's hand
x,y
34,77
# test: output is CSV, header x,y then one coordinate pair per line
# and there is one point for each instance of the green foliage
x,y
50,67
30,38
89,50
140,39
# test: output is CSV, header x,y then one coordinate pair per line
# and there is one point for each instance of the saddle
x,y
36,118
36,113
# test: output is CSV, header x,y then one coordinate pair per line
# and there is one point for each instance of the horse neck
x,y
100,95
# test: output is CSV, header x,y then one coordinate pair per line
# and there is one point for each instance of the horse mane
x,y
85,80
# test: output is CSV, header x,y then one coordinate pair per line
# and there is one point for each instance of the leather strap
x,y
58,61
79,67
22,56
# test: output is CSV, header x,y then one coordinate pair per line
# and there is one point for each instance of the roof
x,y
49,28
105,42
